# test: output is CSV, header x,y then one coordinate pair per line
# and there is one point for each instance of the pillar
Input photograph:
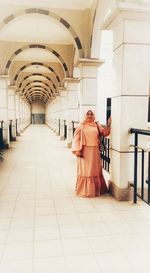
x,y
12,109
72,88
131,59
88,91
4,108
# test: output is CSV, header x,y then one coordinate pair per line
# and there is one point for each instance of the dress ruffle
x,y
91,186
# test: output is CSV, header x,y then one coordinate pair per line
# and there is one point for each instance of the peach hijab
x,y
79,137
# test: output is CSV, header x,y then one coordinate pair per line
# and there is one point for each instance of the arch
x,y
26,90
36,74
18,51
51,14
36,87
39,92
33,74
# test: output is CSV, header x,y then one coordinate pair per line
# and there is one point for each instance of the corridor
x,y
45,228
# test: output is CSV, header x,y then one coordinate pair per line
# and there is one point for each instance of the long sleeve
x,y
77,140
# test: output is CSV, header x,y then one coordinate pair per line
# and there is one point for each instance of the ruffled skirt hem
x,y
91,186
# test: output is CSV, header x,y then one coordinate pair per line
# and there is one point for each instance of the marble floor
x,y
45,228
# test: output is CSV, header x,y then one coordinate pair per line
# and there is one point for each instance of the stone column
x,y
21,113
58,116
131,65
88,85
12,109
63,111
17,98
72,88
4,108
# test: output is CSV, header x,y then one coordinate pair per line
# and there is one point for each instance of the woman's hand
x,y
79,154
109,122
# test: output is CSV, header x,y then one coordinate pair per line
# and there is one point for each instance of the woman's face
x,y
89,116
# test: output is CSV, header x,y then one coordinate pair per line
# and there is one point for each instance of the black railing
x,y
105,153
141,184
10,130
16,127
1,140
65,130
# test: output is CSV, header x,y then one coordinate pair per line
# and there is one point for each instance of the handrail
x,y
139,131
143,151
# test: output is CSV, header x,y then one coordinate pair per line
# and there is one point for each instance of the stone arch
x,y
28,88
33,74
51,14
36,74
18,51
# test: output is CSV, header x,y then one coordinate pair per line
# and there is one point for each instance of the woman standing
x,y
90,180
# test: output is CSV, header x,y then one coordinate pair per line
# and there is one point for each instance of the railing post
x,y
148,177
135,166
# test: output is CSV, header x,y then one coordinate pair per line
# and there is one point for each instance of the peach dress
x,y
90,180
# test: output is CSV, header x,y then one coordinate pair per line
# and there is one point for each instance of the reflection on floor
x,y
45,228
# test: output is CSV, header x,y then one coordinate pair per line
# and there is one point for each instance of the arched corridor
x,y
58,60
44,227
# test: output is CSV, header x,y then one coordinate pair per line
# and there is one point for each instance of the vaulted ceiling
x,y
39,41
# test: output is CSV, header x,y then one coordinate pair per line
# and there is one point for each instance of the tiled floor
x,y
45,228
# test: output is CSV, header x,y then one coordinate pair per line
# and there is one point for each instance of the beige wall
x,y
37,108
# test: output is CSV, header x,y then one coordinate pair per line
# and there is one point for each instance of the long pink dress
x,y
90,180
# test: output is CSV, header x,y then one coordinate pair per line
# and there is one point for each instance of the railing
x,y
16,127
10,130
141,185
65,130
1,139
105,153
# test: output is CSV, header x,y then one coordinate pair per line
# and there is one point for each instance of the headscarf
x,y
85,121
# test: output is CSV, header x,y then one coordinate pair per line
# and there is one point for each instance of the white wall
x,y
37,108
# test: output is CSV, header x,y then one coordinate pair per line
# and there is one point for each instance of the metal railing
x,y
65,130
1,139
141,182
105,153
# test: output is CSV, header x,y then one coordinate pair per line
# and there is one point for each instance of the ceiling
x,y
27,29
70,4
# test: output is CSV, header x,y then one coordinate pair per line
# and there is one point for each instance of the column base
x,y
120,194
13,139
62,138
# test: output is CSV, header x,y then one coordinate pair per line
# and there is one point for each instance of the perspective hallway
x,y
45,228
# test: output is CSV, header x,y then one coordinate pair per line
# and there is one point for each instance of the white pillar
x,y
131,63
21,113
63,100
4,108
17,98
72,88
88,85
12,109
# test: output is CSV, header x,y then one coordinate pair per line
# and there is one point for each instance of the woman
x,y
90,180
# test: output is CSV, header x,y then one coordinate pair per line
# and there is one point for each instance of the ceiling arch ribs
x,y
37,81
34,95
18,51
37,87
39,75
50,14
22,68
37,91
33,83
